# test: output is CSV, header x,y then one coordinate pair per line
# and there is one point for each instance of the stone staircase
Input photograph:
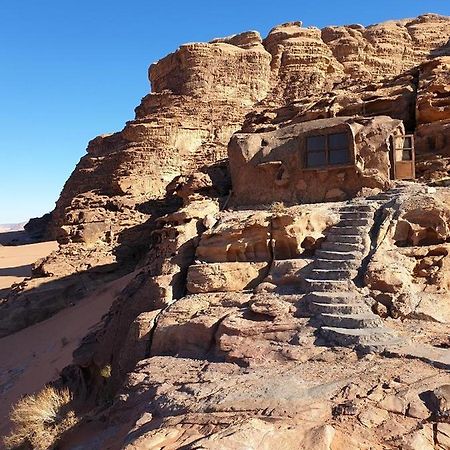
x,y
339,308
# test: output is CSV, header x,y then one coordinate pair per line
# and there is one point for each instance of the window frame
x,y
409,149
328,151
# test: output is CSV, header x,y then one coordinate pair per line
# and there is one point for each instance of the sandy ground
x,y
15,261
34,356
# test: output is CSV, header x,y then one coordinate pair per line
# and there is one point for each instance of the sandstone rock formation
x,y
204,92
267,326
409,272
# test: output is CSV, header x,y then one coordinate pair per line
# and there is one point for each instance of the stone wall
x,y
270,166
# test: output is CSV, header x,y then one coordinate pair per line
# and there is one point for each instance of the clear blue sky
x,y
71,70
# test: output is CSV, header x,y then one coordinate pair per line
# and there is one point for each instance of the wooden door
x,y
404,157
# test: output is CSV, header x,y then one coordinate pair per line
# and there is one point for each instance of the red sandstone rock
x,y
197,354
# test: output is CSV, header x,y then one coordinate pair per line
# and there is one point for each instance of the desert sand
x,y
46,348
16,261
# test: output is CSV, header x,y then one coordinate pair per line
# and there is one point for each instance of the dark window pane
x,y
316,143
339,156
316,159
407,155
338,141
407,143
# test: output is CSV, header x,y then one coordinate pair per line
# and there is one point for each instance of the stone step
x,y
335,297
327,274
347,230
359,320
384,197
338,308
393,193
342,246
327,285
326,254
360,222
336,264
349,337
356,208
347,238
356,214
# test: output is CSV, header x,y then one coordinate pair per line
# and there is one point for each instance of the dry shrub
x,y
105,371
40,419
278,208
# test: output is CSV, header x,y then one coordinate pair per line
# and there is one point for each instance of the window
x,y
327,150
404,147
316,151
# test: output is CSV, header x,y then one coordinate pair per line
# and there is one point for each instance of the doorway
x,y
403,157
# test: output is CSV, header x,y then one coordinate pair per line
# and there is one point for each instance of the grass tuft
x,y
278,208
40,419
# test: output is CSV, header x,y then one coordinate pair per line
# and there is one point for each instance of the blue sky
x,y
71,70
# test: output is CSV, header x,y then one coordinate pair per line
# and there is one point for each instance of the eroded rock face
x,y
433,114
410,270
260,236
223,277
205,92
221,81
213,343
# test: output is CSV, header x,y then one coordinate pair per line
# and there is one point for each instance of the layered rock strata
x,y
204,92
215,342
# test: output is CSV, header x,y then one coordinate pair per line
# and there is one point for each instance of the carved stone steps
x,y
336,264
359,222
334,297
356,208
359,320
337,246
356,214
335,274
350,337
338,308
347,229
346,238
327,285
344,314
327,254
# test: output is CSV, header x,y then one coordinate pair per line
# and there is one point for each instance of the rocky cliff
x,y
203,92
268,325
201,95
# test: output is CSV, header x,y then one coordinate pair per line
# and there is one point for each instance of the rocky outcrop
x,y
235,328
409,272
204,92
433,118
193,348
201,94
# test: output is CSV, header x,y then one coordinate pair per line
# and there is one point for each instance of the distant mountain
x,y
9,227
